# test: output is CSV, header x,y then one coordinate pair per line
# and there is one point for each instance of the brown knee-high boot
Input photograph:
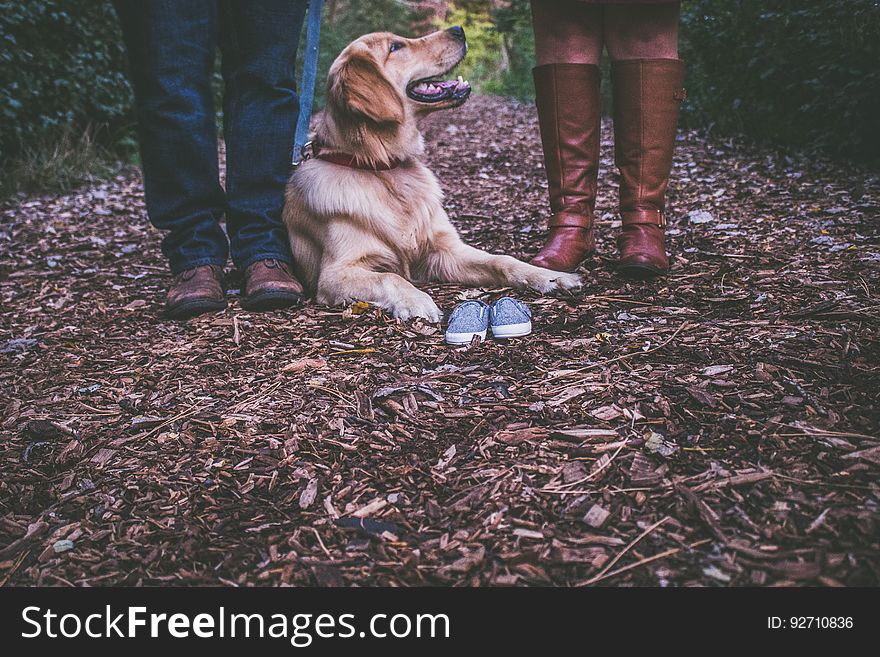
x,y
647,93
567,96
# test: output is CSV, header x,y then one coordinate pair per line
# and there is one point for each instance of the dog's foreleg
x,y
345,283
453,261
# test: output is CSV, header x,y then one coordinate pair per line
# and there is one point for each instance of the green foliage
x,y
805,74
62,69
483,61
501,47
514,23
345,21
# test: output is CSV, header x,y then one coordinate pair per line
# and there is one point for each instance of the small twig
x,y
624,357
15,566
735,256
642,353
190,411
737,480
642,562
321,543
617,299
465,491
368,350
99,411
629,547
341,345
272,387
335,393
817,482
589,476
817,433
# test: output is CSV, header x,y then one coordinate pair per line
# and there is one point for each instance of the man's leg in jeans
x,y
259,43
171,46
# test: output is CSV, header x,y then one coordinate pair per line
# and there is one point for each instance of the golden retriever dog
x,y
365,216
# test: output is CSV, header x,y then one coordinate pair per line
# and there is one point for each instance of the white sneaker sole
x,y
512,330
464,338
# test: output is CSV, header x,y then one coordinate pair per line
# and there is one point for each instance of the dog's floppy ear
x,y
360,88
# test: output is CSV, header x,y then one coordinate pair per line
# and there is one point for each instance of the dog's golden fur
x,y
365,234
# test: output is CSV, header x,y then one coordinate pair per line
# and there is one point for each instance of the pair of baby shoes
x,y
508,318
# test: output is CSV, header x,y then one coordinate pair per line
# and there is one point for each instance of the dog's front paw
x,y
566,281
417,305
547,280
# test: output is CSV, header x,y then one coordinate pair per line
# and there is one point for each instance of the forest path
x,y
729,412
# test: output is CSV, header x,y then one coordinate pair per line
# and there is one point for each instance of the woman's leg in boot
x,y
568,44
647,79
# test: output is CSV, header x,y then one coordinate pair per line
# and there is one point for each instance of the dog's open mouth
x,y
435,91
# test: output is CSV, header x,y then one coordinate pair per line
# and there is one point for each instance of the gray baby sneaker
x,y
467,320
510,318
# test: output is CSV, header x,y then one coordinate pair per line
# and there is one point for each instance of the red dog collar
x,y
351,161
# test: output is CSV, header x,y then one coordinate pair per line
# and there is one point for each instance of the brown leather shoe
x,y
567,96
194,292
647,93
268,284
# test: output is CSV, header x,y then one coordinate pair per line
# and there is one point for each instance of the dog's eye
x,y
396,45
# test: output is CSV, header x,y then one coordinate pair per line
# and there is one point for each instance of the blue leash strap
x,y
301,143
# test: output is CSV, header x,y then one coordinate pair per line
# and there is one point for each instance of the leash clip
x,y
306,152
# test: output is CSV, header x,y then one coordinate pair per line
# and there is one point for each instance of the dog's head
x,y
383,78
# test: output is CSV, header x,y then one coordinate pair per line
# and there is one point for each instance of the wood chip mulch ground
x,y
719,427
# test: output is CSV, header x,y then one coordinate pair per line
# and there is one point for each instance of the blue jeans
x,y
171,46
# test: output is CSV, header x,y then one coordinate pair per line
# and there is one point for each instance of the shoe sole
x,y
193,308
464,338
567,271
512,330
587,258
640,272
271,300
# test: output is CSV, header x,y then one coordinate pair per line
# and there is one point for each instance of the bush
x,y
501,47
804,74
62,69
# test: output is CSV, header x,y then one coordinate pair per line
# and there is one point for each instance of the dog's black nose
x,y
457,32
